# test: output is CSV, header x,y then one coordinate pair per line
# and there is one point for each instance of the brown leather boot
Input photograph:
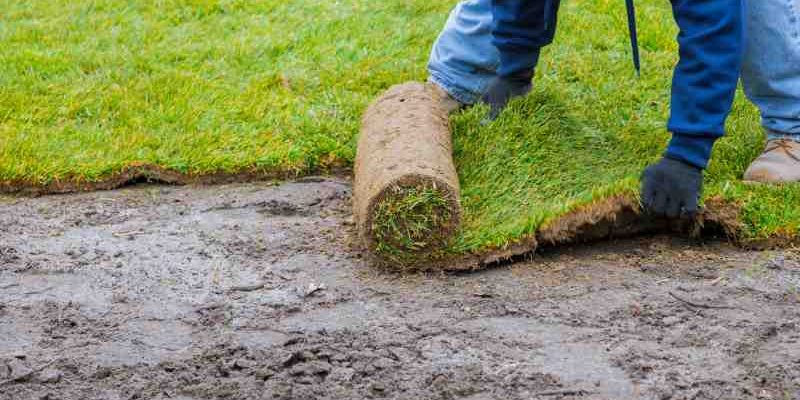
x,y
779,163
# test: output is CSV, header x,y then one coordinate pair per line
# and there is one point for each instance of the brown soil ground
x,y
253,291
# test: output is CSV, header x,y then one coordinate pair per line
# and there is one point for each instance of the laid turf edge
x,y
141,173
618,216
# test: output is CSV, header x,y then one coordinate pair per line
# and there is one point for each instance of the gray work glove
x,y
671,188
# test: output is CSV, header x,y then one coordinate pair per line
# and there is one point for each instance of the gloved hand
x,y
503,89
671,188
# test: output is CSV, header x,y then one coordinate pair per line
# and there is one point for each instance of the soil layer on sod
x,y
92,92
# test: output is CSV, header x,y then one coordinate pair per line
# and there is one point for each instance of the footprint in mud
x,y
279,208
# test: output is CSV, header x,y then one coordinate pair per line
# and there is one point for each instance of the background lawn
x,y
199,86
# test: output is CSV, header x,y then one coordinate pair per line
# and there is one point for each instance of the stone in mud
x,y
297,357
405,149
311,368
50,375
264,374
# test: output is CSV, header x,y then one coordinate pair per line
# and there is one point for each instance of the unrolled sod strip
x,y
406,194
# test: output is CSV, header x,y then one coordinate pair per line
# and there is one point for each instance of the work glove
x,y
503,89
671,188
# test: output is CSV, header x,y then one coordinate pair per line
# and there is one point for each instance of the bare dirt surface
x,y
252,291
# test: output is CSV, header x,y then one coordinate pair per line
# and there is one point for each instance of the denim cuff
x,y
694,150
774,135
461,95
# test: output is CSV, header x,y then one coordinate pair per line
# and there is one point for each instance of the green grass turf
x,y
409,222
201,86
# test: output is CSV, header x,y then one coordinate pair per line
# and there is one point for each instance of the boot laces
x,y
784,145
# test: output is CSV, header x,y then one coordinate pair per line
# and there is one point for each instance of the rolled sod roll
x,y
406,192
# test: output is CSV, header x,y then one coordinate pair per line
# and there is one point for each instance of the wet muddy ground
x,y
252,291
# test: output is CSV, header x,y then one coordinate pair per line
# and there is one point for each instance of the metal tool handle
x,y
634,38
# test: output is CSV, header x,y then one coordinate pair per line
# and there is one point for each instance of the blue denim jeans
x,y
771,70
463,60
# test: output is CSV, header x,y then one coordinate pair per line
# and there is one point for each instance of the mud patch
x,y
217,292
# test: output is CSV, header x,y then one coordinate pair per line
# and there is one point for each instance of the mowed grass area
x,y
199,87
